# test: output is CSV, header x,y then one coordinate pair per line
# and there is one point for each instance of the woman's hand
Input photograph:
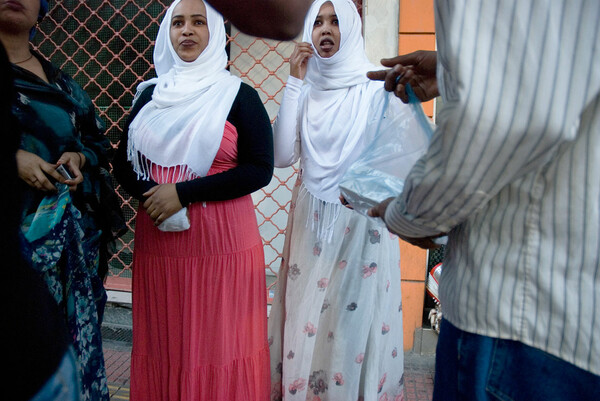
x,y
162,203
344,202
73,161
35,171
299,59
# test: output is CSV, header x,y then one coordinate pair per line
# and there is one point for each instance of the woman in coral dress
x,y
199,143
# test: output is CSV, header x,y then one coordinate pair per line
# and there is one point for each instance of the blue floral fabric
x,y
71,253
67,260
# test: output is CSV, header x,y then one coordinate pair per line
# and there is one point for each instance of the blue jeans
x,y
470,367
63,385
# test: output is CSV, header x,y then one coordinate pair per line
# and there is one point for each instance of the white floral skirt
x,y
335,328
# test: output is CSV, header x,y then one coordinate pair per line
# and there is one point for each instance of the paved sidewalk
x,y
418,369
418,382
117,356
418,376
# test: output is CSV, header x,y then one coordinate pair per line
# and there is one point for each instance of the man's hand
x,y
379,209
425,243
162,202
417,69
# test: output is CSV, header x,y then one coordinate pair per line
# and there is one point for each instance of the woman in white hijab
x,y
335,328
199,141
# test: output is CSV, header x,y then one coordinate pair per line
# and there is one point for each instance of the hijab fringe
x,y
147,170
322,215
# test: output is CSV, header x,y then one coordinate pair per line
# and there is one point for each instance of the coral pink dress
x,y
199,302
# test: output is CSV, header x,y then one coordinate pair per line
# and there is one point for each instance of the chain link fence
x,y
106,46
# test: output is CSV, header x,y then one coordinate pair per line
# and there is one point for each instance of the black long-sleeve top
x,y
255,155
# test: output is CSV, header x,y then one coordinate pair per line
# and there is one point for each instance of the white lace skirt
x,y
335,329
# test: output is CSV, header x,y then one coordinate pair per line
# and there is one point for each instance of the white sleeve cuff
x,y
294,84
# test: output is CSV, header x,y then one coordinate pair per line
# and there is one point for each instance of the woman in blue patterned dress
x,y
58,126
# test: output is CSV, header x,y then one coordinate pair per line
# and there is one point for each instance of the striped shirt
x,y
513,173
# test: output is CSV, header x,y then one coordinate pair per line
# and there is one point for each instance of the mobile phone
x,y
64,172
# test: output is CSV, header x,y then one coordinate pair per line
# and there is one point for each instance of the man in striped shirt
x,y
513,176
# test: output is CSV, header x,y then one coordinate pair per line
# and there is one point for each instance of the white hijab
x,y
335,103
183,123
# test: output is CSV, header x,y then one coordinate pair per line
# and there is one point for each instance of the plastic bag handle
x,y
415,103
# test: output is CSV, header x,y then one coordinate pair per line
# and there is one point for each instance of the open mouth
x,y
326,44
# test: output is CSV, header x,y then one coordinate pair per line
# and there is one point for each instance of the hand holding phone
x,y
64,172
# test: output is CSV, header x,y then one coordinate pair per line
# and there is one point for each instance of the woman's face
x,y
189,30
326,31
18,16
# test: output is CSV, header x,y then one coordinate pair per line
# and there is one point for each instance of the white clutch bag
x,y
178,222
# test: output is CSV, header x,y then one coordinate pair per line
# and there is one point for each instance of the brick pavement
x,y
418,378
117,358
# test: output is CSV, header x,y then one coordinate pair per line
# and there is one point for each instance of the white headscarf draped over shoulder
x,y
335,103
183,123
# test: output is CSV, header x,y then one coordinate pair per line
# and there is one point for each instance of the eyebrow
x,y
193,16
334,15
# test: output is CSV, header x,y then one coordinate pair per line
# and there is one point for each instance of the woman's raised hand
x,y
35,171
162,203
299,59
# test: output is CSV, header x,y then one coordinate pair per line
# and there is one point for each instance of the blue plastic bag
x,y
399,136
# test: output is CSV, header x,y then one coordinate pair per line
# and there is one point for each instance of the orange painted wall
x,y
417,32
413,267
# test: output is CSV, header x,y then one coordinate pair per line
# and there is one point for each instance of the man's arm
x,y
274,19
509,107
